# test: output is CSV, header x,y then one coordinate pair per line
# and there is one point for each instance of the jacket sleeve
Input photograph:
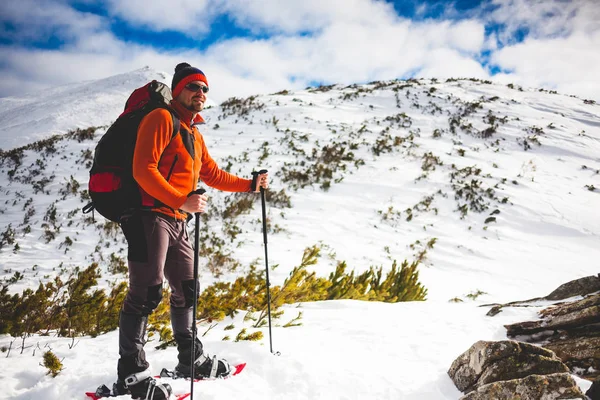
x,y
213,176
154,135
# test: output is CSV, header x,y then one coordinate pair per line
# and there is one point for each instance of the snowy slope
x,y
80,105
412,144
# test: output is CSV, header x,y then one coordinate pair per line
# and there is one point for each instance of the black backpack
x,y
114,192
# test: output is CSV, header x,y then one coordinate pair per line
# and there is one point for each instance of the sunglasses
x,y
194,87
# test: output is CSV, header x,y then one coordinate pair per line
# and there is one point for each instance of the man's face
x,y
193,96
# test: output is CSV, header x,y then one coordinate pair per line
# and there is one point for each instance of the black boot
x,y
144,387
120,388
205,367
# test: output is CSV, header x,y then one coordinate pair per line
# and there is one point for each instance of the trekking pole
x,y
264,218
264,225
195,305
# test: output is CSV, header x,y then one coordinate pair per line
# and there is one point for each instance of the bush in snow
x,y
53,364
248,293
7,237
75,308
323,166
70,308
240,107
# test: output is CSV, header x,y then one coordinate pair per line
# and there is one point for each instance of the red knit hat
x,y
184,74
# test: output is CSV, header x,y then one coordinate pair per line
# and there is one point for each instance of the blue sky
x,y
248,47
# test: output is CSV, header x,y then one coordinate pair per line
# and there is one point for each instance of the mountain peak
x,y
57,110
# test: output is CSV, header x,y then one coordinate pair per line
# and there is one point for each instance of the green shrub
x,y
400,284
254,336
74,307
430,161
7,237
470,193
240,107
70,308
249,292
117,264
71,188
475,295
323,166
82,134
386,143
53,364
238,204
278,199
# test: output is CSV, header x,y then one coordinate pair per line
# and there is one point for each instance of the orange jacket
x,y
167,170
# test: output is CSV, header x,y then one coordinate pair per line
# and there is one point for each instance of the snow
x,y
41,114
546,235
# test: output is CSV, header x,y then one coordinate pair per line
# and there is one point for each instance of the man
x,y
167,169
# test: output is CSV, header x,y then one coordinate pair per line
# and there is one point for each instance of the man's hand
x,y
262,180
196,203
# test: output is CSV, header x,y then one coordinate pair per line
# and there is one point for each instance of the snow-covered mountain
x,y
38,115
494,188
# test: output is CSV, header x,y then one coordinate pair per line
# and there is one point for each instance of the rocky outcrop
x,y
577,287
566,339
561,316
571,330
489,362
546,387
501,370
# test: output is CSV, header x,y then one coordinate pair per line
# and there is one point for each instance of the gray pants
x,y
158,248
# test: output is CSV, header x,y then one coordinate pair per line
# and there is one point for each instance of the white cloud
x,y
190,17
345,51
294,16
561,51
566,64
468,35
444,63
544,18
193,17
44,68
32,22
383,51
353,41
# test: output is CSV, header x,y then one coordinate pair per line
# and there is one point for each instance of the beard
x,y
194,106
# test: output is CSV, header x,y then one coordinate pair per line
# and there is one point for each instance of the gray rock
x,y
487,362
534,387
581,352
562,316
571,330
521,366
578,287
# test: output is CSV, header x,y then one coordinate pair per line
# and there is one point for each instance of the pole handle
x,y
255,175
262,171
197,191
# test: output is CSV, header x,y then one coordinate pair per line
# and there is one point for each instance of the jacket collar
x,y
185,115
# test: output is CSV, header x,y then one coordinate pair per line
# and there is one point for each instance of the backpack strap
x,y
176,129
176,123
